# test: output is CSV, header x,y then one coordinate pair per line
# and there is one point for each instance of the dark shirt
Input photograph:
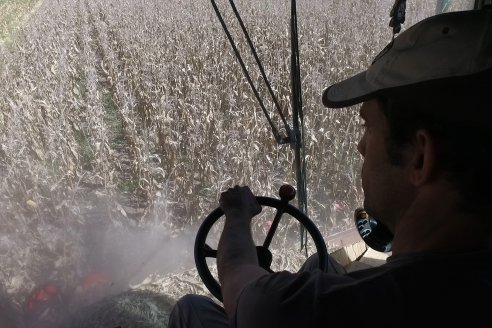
x,y
418,290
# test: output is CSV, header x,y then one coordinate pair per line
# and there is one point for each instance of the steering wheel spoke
x,y
209,251
273,227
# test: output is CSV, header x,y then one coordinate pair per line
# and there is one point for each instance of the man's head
x,y
431,85
458,120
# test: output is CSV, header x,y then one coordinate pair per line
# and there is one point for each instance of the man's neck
x,y
434,223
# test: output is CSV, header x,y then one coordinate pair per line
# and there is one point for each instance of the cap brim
x,y
357,89
351,91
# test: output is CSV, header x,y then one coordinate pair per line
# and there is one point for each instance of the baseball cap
x,y
442,48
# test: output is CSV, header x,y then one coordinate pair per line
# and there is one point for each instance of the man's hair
x,y
458,116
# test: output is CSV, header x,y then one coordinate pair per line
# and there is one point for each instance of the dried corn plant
x,y
137,113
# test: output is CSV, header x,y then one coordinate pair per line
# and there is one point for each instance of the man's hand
x,y
239,199
237,261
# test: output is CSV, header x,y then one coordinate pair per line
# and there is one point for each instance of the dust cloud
x,y
131,253
112,257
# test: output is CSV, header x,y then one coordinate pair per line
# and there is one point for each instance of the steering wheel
x,y
286,193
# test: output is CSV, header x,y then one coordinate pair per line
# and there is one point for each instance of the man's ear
x,y
423,163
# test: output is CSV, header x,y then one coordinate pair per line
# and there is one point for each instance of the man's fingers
x,y
239,197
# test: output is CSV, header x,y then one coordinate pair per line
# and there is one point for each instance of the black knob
x,y
287,193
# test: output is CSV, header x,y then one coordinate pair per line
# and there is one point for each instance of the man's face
x,y
386,186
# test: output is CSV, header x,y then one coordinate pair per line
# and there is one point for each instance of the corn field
x,y
135,114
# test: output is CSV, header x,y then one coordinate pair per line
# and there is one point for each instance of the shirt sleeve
x,y
284,299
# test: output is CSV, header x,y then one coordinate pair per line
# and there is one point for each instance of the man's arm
x,y
237,261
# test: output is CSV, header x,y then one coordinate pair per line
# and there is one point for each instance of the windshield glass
x,y
444,6
121,122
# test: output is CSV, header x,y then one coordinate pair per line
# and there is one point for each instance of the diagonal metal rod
x,y
260,66
276,134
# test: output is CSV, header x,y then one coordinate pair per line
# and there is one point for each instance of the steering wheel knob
x,y
287,193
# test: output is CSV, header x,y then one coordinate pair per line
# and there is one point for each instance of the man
x,y
427,104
